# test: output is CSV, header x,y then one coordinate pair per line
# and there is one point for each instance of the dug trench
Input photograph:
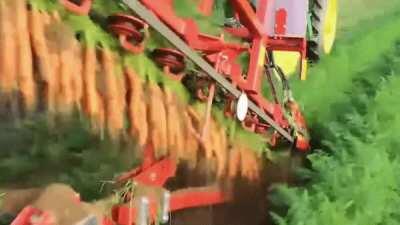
x,y
249,204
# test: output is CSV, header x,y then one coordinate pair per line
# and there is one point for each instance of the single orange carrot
x,y
191,145
8,47
91,100
77,74
157,120
172,123
24,77
41,52
63,38
234,162
113,107
137,108
54,58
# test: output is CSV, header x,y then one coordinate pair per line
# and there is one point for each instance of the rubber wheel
x,y
324,15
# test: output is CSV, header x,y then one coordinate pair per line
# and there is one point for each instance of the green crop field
x,y
351,101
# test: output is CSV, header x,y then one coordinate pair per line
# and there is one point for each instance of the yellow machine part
x,y
329,26
288,61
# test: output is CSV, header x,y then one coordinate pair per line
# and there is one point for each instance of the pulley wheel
x,y
171,58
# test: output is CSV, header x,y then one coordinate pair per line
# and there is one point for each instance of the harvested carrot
x,y
91,100
77,73
220,149
224,147
8,46
25,78
137,107
43,58
112,96
173,125
122,92
64,38
234,162
157,120
52,44
249,164
208,142
180,128
191,145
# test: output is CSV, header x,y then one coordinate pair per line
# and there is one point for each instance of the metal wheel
x,y
171,58
324,23
127,25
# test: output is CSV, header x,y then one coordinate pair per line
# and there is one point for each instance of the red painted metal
x,y
248,17
280,21
206,7
182,199
172,62
224,55
164,10
154,175
32,216
241,32
81,9
197,197
129,31
157,174
170,58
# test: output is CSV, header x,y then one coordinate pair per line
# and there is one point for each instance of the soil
x,y
250,204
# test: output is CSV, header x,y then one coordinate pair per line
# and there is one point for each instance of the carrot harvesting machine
x,y
267,30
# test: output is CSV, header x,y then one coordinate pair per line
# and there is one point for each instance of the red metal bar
x,y
206,7
157,174
248,17
163,9
286,44
81,9
256,66
182,199
241,32
262,11
154,175
197,197
25,217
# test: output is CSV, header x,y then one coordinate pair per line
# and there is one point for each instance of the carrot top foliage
x,y
351,104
